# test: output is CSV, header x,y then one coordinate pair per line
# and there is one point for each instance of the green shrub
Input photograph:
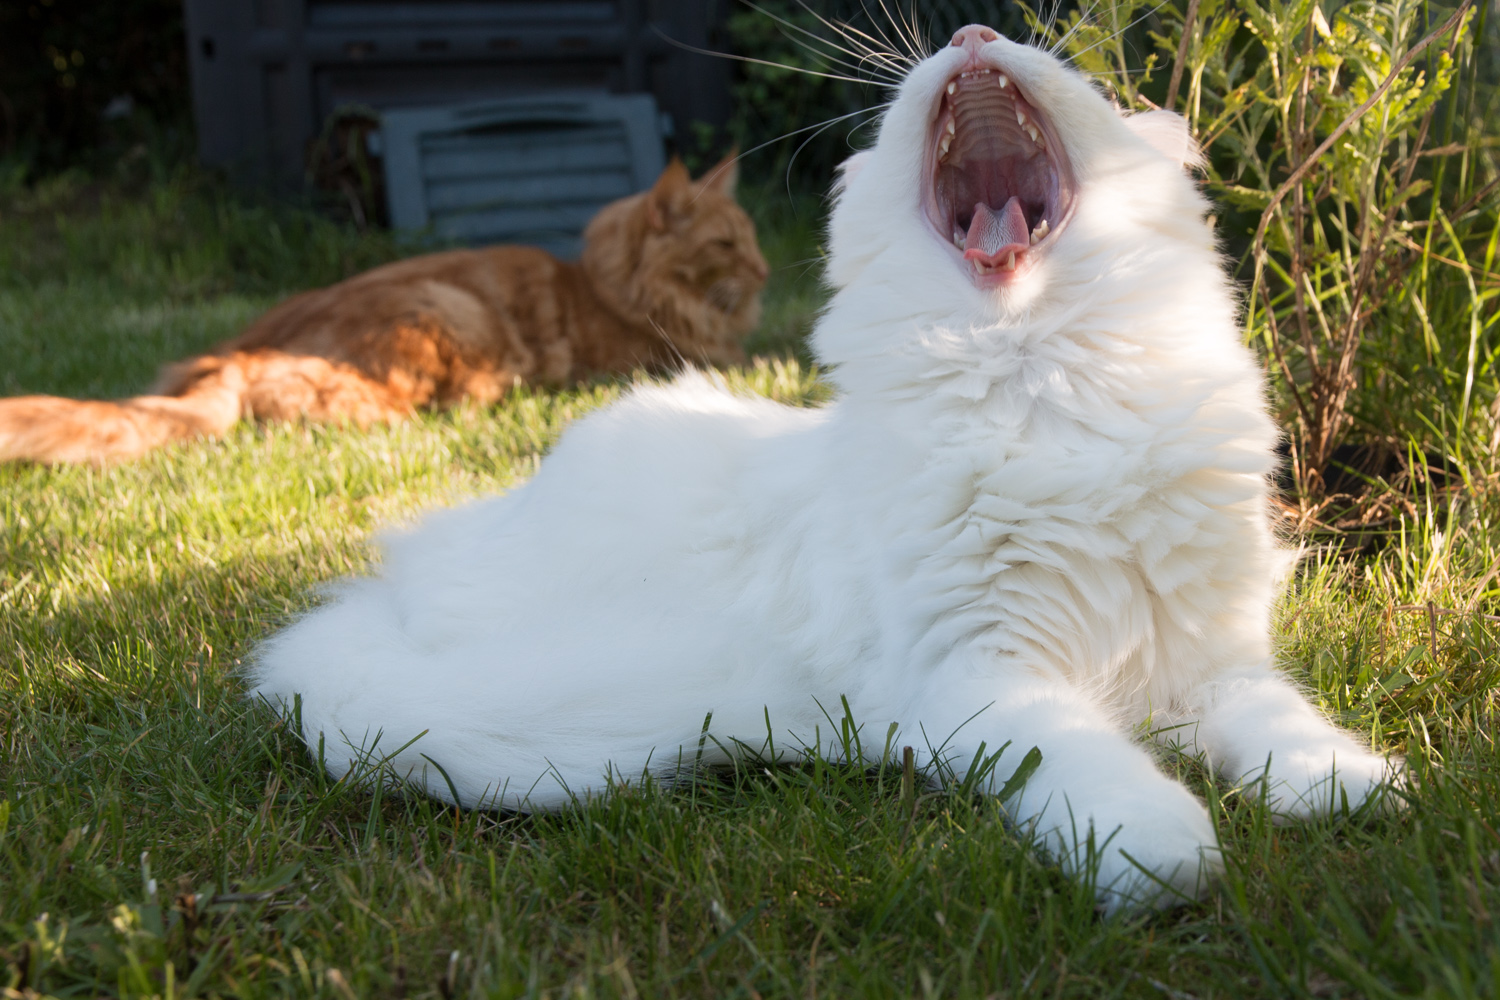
x,y
62,63
1357,177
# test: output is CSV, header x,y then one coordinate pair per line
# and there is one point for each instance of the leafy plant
x,y
72,72
1348,142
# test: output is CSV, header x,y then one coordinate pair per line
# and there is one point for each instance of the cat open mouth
x,y
999,178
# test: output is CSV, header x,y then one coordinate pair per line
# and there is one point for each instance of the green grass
x,y
161,836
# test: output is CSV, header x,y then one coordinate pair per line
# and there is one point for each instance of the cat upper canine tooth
x,y
1002,80
952,87
943,144
1035,135
1020,117
1041,231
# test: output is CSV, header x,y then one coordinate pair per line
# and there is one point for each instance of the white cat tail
x,y
1168,133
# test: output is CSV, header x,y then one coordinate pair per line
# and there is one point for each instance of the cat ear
x,y
670,190
1167,132
722,176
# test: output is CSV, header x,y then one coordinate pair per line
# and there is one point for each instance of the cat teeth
x,y
943,145
1008,264
1031,129
1002,80
1040,232
952,87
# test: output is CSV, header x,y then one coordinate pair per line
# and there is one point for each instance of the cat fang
x,y
1035,514
998,181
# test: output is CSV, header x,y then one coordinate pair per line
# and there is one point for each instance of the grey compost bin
x,y
268,75
522,170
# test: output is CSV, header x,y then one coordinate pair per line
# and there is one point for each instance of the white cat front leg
x,y
1153,842
1256,726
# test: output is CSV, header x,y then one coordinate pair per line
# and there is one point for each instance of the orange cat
x,y
667,276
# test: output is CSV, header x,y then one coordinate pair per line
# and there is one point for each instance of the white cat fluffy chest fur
x,y
1036,513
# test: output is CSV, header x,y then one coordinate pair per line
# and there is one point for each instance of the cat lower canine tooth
x,y
1035,516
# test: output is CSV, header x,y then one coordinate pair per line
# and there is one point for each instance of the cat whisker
x,y
906,31
1113,35
863,45
886,69
881,74
1085,14
807,265
816,129
1041,27
750,59
903,45
671,344
820,129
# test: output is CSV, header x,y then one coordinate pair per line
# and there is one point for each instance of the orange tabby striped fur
x,y
669,276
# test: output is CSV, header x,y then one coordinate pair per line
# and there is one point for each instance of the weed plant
x,y
1351,150
162,836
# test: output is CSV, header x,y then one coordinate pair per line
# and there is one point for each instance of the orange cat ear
x,y
722,176
670,189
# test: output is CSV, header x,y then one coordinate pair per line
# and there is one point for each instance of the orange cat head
x,y
682,256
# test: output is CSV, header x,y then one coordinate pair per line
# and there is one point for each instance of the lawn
x,y
161,835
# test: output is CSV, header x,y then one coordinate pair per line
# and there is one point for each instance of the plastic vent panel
x,y
530,170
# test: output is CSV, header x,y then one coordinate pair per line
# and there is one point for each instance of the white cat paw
x,y
1154,859
1308,783
1157,868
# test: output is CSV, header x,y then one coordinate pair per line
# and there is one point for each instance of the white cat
x,y
1036,514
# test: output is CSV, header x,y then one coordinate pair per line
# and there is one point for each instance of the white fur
x,y
1034,516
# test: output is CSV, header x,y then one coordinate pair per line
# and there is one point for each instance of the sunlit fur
x,y
1035,516
669,275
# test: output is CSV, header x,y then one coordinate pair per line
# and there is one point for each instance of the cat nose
x,y
973,36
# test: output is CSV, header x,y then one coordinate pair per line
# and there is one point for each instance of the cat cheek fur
x,y
1035,516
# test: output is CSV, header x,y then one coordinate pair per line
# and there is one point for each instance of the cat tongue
x,y
992,236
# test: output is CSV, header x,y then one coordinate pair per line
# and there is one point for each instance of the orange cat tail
x,y
208,401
